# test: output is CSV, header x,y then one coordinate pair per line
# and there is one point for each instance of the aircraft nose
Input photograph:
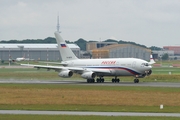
x,y
150,66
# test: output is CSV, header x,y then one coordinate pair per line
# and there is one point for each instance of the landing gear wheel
x,y
118,80
115,80
100,80
97,80
90,81
136,80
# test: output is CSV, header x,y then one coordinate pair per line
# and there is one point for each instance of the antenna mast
x,y
58,26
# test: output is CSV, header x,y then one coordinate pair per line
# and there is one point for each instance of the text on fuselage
x,y
108,62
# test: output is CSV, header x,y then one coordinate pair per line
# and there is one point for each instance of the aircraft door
x,y
134,64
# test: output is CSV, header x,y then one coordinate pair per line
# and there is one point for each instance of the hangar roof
x,y
35,46
119,45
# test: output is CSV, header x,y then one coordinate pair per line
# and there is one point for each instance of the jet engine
x,y
65,73
88,75
149,72
141,76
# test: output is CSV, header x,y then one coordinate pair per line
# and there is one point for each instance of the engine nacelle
x,y
141,76
88,75
149,72
65,73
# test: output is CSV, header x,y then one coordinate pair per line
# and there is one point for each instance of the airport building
x,y
94,45
176,49
157,54
47,52
172,51
122,51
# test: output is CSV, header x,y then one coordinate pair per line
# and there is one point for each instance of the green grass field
x,y
66,117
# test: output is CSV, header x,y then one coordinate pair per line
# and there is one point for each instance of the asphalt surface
x,y
87,113
83,82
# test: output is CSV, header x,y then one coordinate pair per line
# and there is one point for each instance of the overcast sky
x,y
147,22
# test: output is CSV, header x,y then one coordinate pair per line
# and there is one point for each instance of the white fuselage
x,y
116,66
23,59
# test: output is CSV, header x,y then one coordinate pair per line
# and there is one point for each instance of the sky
x,y
146,22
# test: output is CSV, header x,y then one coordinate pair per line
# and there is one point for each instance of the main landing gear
x,y
90,80
100,80
114,80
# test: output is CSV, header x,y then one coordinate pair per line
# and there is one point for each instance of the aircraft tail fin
x,y
65,52
151,60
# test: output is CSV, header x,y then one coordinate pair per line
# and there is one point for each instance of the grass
x,y
74,117
65,117
88,98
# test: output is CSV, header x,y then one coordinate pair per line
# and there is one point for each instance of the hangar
x,y
122,51
34,51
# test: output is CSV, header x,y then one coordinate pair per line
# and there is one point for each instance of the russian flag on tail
x,y
63,45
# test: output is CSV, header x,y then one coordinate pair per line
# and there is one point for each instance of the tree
x,y
110,40
165,57
155,48
81,43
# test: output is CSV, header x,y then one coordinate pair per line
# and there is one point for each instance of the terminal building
x,y
45,52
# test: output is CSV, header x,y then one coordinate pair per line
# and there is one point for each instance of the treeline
x,y
46,40
80,42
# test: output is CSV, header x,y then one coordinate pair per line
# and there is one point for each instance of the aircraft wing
x,y
74,69
56,63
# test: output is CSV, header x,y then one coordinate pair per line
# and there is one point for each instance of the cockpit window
x,y
145,64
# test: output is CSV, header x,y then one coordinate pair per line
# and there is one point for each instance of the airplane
x,y
91,68
20,59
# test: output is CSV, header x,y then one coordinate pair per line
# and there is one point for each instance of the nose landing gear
x,y
136,80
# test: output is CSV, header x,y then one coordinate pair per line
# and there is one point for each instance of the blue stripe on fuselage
x,y
114,67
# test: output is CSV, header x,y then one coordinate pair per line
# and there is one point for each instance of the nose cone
x,y
150,67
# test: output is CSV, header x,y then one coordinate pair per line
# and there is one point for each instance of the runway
x,y
87,113
83,82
